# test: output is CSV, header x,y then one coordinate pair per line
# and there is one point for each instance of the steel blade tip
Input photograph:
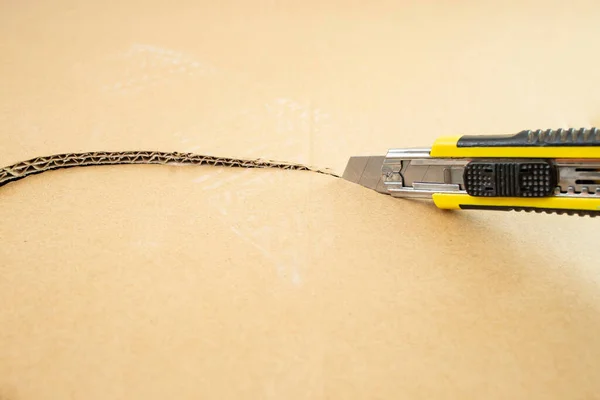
x,y
366,171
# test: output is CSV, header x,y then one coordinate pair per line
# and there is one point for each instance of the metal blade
x,y
366,171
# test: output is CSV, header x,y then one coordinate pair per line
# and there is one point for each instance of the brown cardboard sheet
x,y
155,282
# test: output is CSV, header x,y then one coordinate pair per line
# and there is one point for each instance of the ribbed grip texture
x,y
582,137
509,178
559,211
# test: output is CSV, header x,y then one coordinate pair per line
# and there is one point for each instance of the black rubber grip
x,y
510,178
538,138
560,211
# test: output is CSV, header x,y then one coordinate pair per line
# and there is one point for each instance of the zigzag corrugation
x,y
38,165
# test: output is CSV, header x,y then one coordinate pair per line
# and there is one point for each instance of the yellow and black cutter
x,y
554,171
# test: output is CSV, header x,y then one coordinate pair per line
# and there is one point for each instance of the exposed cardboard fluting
x,y
39,165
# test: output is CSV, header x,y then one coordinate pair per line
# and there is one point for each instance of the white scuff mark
x,y
202,178
285,271
137,48
267,254
221,182
145,244
293,120
224,205
320,116
257,151
291,141
229,193
292,116
255,180
296,279
288,258
146,65
260,236
207,176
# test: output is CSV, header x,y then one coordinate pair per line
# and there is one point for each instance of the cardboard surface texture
x,y
153,282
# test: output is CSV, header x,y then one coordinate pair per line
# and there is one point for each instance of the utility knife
x,y
551,170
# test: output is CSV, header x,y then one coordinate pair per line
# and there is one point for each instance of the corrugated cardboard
x,y
200,282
